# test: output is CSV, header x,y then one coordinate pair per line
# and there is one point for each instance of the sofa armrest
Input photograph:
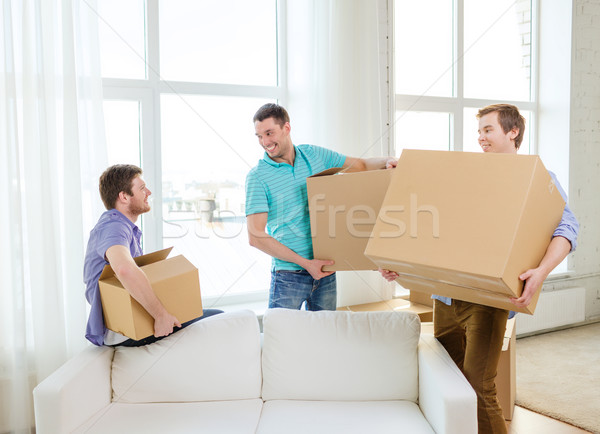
x,y
446,398
74,392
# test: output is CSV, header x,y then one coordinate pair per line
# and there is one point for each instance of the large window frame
x,y
456,104
147,92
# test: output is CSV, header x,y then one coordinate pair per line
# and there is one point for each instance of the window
x,y
452,58
182,80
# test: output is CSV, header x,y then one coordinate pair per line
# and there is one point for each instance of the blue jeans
x,y
151,339
291,288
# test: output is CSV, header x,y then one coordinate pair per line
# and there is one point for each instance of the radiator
x,y
554,309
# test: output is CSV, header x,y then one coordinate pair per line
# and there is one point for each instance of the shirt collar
x,y
270,162
115,213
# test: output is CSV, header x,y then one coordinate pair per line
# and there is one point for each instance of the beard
x,y
138,209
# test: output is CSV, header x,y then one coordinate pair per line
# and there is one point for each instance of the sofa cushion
x,y
334,417
217,358
340,356
224,417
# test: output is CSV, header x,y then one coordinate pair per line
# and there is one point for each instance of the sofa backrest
x,y
341,356
217,358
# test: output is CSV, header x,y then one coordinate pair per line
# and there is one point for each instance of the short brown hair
x,y
116,179
270,110
508,117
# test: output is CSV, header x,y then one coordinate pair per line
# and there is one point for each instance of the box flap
x,y
142,260
168,269
328,172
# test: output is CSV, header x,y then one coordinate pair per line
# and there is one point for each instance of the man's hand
x,y
533,278
163,326
352,164
388,275
315,268
558,249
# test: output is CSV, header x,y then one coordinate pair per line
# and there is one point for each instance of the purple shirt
x,y
112,229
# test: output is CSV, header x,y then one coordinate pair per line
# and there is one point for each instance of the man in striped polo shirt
x,y
277,211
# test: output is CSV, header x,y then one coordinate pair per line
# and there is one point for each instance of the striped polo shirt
x,y
280,190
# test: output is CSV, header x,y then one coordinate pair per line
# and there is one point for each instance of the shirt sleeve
x,y
330,158
115,234
256,195
568,226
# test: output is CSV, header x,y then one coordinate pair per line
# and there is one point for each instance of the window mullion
x,y
457,134
150,127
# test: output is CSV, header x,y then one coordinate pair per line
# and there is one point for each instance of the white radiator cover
x,y
554,309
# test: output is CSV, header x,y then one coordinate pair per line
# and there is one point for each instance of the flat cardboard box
x,y
506,379
395,304
466,225
343,208
174,281
419,297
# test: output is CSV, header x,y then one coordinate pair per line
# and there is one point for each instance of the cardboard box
x,y
466,225
343,208
506,379
419,297
174,281
395,304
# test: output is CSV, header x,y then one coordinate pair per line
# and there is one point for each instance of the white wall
x,y
584,156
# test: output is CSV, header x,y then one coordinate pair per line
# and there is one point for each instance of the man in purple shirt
x,y
471,333
116,240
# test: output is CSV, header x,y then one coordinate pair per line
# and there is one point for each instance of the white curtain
x,y
337,77
338,94
51,147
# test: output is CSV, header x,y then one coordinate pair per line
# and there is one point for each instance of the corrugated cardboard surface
x,y
419,297
174,281
466,225
506,379
395,304
343,208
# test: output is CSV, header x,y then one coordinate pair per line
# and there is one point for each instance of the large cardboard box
x,y
424,312
174,281
506,379
466,225
343,208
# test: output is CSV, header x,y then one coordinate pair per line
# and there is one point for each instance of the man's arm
x,y
361,164
136,282
558,249
259,238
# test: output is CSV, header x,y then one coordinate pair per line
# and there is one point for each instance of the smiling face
x,y
138,202
492,137
275,140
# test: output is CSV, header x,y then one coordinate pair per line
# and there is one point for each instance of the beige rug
x,y
558,374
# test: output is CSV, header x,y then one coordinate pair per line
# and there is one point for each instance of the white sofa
x,y
313,372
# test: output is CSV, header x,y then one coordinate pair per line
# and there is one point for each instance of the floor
x,y
525,422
